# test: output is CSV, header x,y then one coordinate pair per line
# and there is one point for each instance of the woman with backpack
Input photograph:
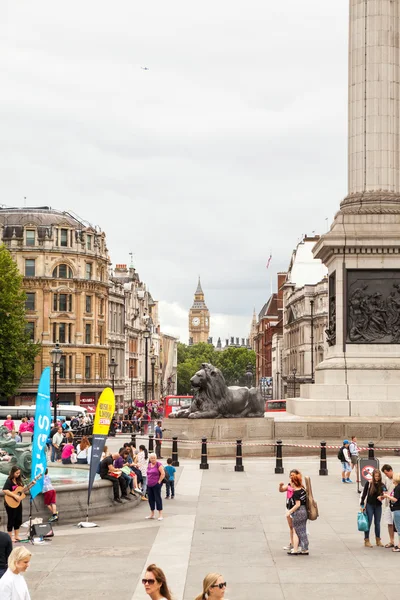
x,y
299,516
373,495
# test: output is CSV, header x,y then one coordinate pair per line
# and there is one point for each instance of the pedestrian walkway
x,y
232,523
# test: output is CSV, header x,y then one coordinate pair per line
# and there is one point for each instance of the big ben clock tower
x,y
199,318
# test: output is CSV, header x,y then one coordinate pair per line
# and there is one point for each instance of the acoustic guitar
x,y
21,492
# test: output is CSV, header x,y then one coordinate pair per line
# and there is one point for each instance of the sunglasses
x,y
149,581
219,585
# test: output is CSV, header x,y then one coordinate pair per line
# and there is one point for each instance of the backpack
x,y
340,455
312,506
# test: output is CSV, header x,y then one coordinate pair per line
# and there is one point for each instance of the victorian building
x,y
270,321
305,315
199,318
64,263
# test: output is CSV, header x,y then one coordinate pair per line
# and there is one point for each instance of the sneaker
x,y
53,519
343,480
137,490
305,552
288,547
160,519
144,498
118,500
349,481
166,498
293,553
172,497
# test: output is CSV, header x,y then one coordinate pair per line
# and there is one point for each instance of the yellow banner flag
x,y
104,412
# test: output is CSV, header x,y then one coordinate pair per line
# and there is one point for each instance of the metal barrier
x,y
323,466
279,462
203,463
371,450
151,442
239,457
175,460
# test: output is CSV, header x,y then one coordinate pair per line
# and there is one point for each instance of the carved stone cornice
x,y
373,202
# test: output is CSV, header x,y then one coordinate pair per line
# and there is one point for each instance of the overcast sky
x,y
228,148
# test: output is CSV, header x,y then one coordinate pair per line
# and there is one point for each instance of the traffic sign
x,y
366,467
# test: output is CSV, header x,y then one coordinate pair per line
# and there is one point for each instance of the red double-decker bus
x,y
175,403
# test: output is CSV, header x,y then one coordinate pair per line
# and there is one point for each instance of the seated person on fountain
x,y
49,494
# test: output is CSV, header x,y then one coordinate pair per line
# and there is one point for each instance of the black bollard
x,y
151,442
371,450
323,467
239,457
279,464
175,461
133,439
203,463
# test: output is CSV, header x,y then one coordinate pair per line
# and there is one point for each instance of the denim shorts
x,y
346,467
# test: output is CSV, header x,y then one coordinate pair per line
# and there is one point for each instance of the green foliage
x,y
232,362
17,351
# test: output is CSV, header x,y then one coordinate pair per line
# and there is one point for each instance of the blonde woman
x,y
155,476
12,584
214,587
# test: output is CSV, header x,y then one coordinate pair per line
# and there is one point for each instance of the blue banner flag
x,y
41,432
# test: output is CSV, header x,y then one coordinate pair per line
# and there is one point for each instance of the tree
x,y
232,362
17,351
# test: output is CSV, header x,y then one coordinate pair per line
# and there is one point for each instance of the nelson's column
x,y
360,375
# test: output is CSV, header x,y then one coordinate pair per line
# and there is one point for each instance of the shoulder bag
x,y
311,505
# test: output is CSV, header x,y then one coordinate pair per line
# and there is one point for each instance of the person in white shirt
x,y
84,451
354,452
387,513
12,584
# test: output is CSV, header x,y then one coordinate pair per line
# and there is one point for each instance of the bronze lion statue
x,y
213,399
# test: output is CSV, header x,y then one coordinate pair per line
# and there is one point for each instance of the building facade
x,y
64,262
305,314
270,320
199,318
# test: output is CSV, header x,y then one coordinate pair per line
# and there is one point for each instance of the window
x,y
29,267
62,272
30,237
70,366
101,335
87,367
101,306
63,367
64,237
62,302
30,301
62,333
88,333
30,329
88,273
88,242
88,304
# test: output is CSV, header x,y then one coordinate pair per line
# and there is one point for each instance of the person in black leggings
x,y
14,515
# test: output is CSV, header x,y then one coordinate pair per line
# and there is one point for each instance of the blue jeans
x,y
374,512
396,519
170,487
54,454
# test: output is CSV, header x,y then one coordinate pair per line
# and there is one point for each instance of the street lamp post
x,y
56,354
153,362
112,365
146,335
131,375
312,339
277,391
294,382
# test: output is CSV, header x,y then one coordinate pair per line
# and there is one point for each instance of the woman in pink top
x,y
9,423
68,450
24,425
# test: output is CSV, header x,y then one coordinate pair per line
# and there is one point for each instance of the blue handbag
x,y
362,521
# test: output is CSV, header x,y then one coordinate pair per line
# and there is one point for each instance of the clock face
x,y
196,321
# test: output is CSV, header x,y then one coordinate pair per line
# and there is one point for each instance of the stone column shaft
x,y
374,96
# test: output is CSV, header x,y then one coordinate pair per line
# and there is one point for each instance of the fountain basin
x,y
71,485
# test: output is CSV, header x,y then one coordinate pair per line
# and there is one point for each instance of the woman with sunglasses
x,y
214,587
155,584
